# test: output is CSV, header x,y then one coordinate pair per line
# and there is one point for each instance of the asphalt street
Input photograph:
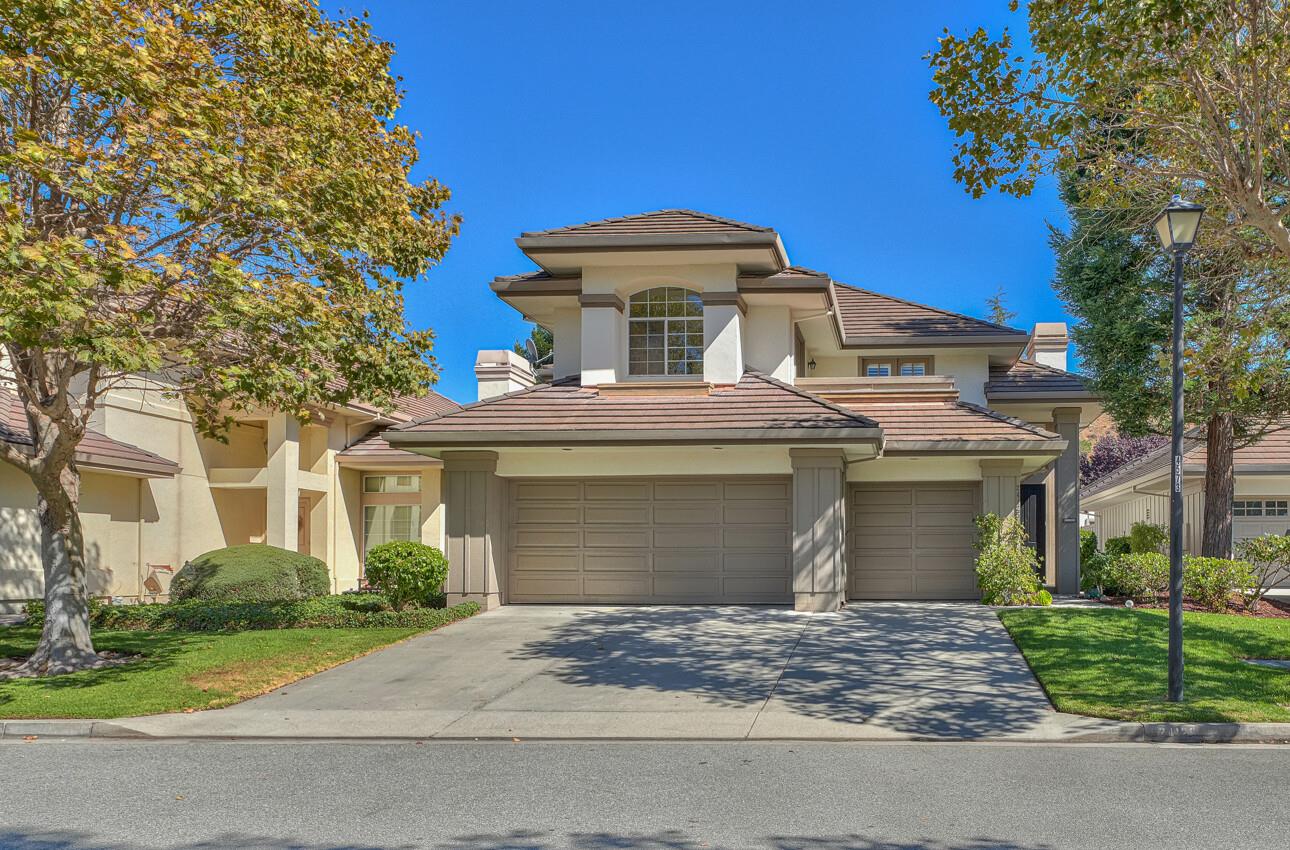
x,y
181,795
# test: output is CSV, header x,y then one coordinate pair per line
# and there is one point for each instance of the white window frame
x,y
413,485
1260,508
690,328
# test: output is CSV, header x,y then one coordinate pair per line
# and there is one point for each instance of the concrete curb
x,y
1119,733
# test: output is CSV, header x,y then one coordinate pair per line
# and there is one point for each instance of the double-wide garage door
x,y
912,541
651,540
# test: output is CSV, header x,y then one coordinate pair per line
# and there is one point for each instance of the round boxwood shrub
x,y
254,572
406,572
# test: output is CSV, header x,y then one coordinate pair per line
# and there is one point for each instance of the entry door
x,y
1033,514
302,525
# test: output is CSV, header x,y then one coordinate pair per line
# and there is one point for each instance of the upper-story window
x,y
885,367
665,332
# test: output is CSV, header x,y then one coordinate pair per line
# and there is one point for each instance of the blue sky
x,y
809,117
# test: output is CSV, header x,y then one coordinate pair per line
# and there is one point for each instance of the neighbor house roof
x,y
758,408
1270,454
659,222
870,318
96,450
375,448
1027,379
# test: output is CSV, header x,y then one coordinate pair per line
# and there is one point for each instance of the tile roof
x,y
656,223
1272,451
1025,377
758,406
864,314
375,448
96,451
949,421
415,407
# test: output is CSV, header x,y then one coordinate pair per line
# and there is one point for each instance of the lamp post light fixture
x,y
1176,226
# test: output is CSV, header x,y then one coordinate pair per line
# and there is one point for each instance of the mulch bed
x,y
1268,607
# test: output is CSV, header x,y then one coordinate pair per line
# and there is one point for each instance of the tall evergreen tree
x,y
1115,281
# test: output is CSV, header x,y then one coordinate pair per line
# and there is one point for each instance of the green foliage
x,y
1006,567
1141,576
1212,582
346,611
1269,556
1146,537
543,341
997,311
1092,563
1117,546
406,571
253,572
1087,543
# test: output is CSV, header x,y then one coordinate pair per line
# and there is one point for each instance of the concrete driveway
x,y
881,670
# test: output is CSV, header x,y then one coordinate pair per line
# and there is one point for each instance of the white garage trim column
x,y
475,517
1066,423
1001,486
819,532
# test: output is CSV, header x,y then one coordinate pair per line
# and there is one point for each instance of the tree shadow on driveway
x,y
677,840
925,669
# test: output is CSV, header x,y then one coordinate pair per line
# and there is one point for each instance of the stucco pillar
x,y
723,352
1066,483
602,346
282,496
819,529
1001,486
475,513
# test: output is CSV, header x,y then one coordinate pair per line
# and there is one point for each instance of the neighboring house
x,y
155,493
1138,491
725,427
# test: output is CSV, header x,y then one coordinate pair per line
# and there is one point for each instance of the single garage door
x,y
1257,517
912,541
651,540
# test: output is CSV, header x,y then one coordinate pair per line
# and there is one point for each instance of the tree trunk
x,y
1216,541
65,643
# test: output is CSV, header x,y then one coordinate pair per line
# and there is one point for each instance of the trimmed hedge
x,y
355,611
253,572
406,571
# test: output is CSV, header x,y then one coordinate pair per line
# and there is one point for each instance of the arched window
x,y
665,332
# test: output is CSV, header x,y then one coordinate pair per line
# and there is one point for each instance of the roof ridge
x,y
1011,420
940,310
634,216
810,396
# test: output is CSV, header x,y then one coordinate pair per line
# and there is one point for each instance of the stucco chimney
x,y
1048,343
501,372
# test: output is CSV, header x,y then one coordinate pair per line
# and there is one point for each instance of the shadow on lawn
x,y
946,670
68,840
156,650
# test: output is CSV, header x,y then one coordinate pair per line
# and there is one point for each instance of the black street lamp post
x,y
1177,226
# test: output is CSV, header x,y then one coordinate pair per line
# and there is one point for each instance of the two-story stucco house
x,y
155,493
726,427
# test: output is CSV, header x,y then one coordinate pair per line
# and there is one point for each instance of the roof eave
x,y
669,436
942,340
1036,446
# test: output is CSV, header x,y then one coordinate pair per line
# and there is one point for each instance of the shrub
x,y
253,572
1087,543
1092,563
1269,556
1116,546
1006,568
1212,581
1144,537
1141,576
325,612
406,572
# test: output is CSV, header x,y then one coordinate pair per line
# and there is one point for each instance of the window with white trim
x,y
383,523
665,332
391,483
1260,507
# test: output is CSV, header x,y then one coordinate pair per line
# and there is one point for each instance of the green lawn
x,y
1111,662
181,670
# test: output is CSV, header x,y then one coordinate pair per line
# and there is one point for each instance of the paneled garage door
x,y
912,541
657,540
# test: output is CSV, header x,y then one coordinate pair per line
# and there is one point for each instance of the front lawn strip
x,y
1112,663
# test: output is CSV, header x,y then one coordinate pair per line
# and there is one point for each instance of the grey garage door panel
x,y
660,540
912,541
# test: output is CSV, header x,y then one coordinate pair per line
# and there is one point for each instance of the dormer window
x,y
886,367
665,332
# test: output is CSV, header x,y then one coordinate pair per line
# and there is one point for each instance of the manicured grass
x,y
1112,662
181,670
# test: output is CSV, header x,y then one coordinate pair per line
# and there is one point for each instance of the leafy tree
x,y
997,311
1113,451
1148,98
1114,280
211,193
543,341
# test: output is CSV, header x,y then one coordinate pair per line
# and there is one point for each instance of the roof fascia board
x,y
907,447
946,340
669,436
